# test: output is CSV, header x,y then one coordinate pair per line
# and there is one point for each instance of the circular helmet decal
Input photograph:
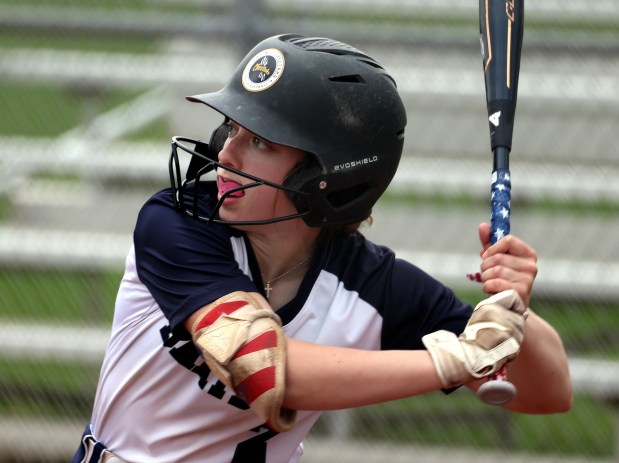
x,y
263,70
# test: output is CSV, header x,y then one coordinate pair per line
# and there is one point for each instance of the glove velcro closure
x,y
508,299
244,345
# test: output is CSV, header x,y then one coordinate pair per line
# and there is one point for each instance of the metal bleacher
x,y
546,164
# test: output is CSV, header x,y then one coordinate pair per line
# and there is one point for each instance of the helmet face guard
x,y
323,97
188,192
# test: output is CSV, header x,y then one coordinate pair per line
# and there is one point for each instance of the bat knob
x,y
496,392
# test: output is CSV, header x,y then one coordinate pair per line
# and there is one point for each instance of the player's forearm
x,y
540,373
328,378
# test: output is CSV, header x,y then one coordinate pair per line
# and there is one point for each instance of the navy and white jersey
x,y
157,399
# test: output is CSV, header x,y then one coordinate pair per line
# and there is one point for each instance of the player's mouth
x,y
224,185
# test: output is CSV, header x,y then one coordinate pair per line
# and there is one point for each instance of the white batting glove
x,y
491,338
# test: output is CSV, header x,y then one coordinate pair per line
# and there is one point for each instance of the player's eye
x,y
259,143
232,129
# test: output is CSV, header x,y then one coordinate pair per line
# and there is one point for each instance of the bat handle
x,y
500,203
498,390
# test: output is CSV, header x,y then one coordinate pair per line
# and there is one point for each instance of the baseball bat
x,y
501,31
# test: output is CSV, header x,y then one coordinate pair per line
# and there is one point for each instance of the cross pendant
x,y
267,289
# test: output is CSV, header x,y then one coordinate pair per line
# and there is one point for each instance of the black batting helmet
x,y
328,99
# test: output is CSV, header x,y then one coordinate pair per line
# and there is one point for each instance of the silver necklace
x,y
268,288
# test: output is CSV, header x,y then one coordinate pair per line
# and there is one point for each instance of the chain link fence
x,y
92,91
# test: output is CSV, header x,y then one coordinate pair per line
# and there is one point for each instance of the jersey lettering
x,y
252,450
187,355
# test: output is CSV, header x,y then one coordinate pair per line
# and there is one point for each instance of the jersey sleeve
x,y
184,263
416,304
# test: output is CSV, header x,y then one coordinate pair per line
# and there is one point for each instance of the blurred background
x,y
91,92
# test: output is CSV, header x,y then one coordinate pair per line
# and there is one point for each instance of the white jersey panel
x,y
334,316
240,254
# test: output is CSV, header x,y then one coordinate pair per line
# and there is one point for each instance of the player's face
x,y
246,152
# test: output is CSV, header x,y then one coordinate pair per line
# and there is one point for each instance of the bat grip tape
x,y
497,390
500,199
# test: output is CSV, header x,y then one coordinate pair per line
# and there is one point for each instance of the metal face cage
x,y
188,193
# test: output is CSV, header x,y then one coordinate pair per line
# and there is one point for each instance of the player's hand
x,y
510,263
491,338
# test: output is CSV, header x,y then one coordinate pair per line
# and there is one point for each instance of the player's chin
x,y
233,213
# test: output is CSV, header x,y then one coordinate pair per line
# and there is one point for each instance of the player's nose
x,y
231,152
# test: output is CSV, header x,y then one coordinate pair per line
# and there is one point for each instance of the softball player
x,y
251,302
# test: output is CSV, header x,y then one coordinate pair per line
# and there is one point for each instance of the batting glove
x,y
492,337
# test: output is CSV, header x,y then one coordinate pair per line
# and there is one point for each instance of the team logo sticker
x,y
263,70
